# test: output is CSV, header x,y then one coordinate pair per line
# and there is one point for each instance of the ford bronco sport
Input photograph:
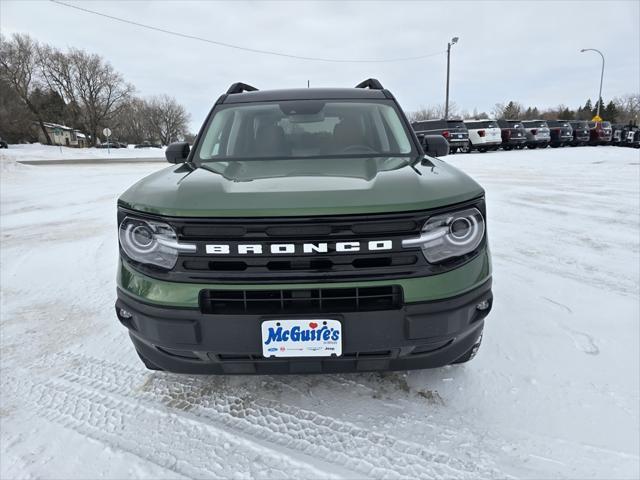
x,y
306,231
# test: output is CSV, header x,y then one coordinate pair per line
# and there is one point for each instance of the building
x,y
63,135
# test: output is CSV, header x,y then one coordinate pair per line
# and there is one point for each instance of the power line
x,y
246,49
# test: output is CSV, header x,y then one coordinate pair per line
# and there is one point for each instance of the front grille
x,y
301,265
312,300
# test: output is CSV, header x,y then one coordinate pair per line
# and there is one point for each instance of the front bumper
x,y
582,138
511,141
458,142
419,335
487,144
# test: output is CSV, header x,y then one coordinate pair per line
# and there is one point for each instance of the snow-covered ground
x,y
37,151
553,392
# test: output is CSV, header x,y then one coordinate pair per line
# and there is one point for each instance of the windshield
x,y
535,123
482,124
304,129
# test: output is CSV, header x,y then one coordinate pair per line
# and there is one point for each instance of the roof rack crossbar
x,y
240,87
371,83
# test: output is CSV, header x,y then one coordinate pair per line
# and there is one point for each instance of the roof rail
x,y
240,87
371,83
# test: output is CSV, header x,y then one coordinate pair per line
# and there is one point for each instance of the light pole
x,y
453,41
601,75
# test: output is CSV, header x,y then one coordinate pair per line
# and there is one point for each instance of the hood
x,y
299,187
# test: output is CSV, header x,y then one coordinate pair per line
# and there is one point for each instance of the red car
x,y
600,133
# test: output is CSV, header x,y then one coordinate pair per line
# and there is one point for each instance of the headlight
x,y
150,242
449,235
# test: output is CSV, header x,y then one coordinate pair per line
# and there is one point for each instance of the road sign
x,y
107,133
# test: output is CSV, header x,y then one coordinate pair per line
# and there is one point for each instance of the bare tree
x,y
433,112
628,107
512,110
131,123
168,119
19,70
89,85
423,113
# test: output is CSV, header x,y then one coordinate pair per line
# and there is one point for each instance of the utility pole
x,y
453,41
601,76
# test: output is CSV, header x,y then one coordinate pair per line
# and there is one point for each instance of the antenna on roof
x,y
307,83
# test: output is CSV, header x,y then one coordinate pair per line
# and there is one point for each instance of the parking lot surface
x,y
554,390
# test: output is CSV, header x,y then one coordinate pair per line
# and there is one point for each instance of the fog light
x,y
125,314
483,305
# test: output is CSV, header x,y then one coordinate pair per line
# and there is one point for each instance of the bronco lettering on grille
x,y
292,248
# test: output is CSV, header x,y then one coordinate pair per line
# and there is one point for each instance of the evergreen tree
x,y
610,112
584,113
594,110
566,114
513,110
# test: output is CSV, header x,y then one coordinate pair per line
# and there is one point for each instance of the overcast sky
x,y
526,51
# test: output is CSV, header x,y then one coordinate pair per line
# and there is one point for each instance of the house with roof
x,y
63,135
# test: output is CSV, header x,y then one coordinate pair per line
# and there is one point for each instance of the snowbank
x,y
37,151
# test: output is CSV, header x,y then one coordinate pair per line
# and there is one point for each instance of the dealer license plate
x,y
301,338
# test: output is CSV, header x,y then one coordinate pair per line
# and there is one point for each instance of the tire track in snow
x,y
174,442
372,454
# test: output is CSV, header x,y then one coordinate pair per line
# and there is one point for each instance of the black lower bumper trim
x,y
419,335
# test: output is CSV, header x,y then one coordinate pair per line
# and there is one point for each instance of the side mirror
x,y
177,152
435,145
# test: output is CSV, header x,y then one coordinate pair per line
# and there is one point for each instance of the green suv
x,y
306,231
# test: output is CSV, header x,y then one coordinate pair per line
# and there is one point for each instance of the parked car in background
x,y
454,131
617,133
148,145
513,134
600,133
3,144
561,132
484,134
581,133
631,136
538,135
109,145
